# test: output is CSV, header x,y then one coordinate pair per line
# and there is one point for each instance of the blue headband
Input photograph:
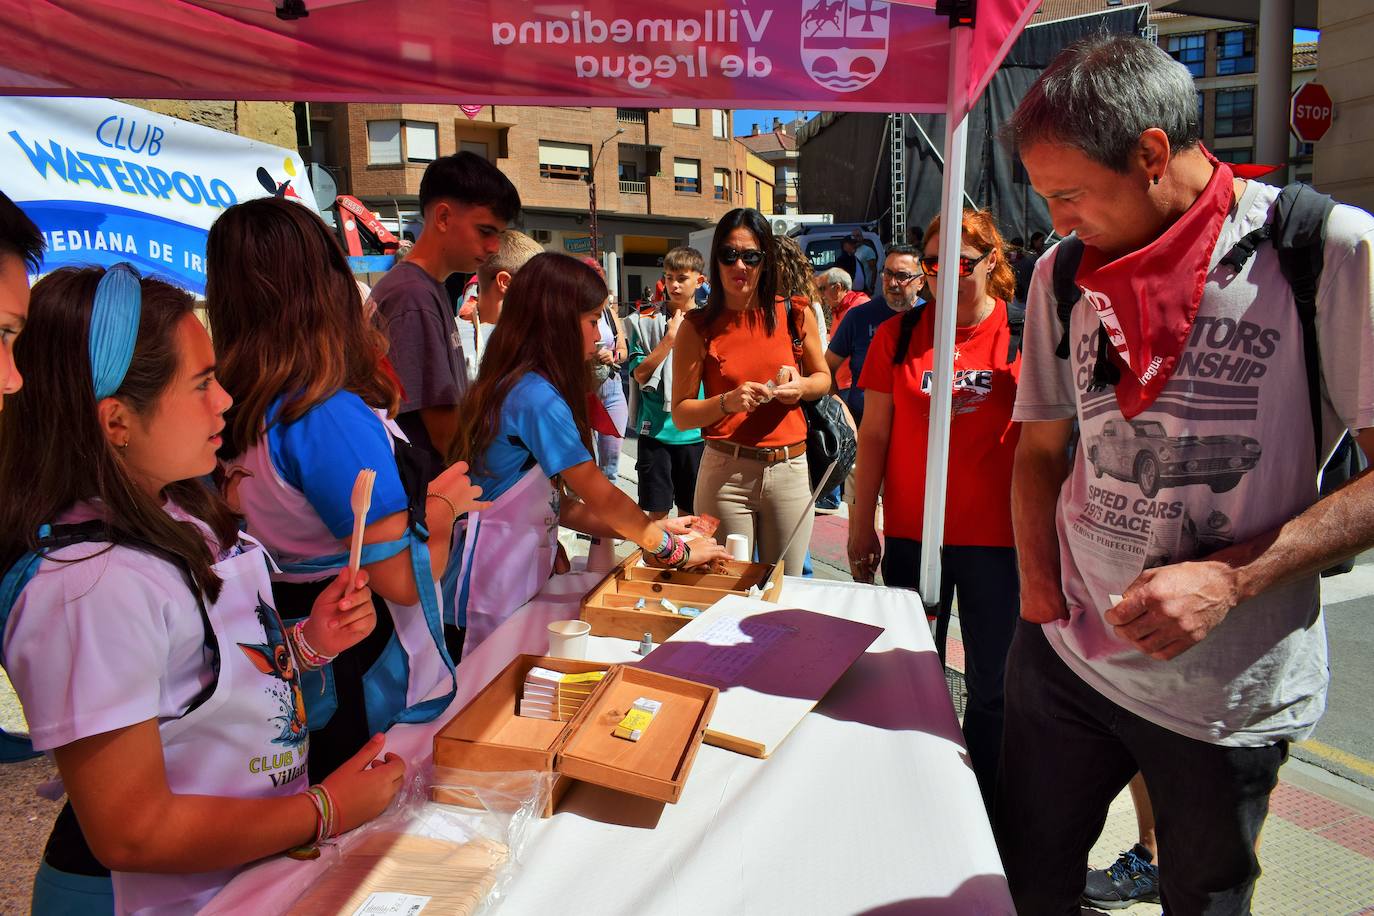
x,y
114,327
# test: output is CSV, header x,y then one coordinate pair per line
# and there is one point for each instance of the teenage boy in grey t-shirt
x,y
466,203
1198,507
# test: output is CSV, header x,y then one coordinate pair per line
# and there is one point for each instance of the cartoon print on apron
x,y
399,685
245,737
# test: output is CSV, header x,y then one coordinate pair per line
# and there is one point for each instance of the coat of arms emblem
x,y
844,42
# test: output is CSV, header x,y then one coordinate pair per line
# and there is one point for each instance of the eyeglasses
x,y
931,266
750,256
899,276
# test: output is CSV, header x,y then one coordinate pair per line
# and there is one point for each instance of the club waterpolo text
x,y
115,173
727,27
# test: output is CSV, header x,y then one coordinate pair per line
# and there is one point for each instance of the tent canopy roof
x,y
807,54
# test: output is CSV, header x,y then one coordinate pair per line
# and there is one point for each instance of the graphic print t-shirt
x,y
982,440
1224,454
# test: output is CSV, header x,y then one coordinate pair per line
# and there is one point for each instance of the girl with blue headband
x,y
139,626
315,405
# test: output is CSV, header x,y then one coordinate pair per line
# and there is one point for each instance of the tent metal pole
x,y
942,386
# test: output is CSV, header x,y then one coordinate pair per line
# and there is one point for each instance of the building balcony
x,y
631,115
634,187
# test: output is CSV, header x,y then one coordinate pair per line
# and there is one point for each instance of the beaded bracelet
x,y
326,822
310,659
448,502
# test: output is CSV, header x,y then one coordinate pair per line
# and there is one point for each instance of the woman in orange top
x,y
736,377
979,559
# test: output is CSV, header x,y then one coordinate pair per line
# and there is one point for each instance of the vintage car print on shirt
x,y
1141,451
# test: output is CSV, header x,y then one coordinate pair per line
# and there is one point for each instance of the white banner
x,y
108,182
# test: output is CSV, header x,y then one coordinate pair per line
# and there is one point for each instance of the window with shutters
x,y
687,176
564,161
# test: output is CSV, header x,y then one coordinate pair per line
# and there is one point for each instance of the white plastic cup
x,y
601,555
737,545
568,638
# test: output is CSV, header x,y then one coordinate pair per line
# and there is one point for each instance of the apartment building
x,y
1221,56
657,174
778,147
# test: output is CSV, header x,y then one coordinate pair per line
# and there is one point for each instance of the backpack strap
x,y
796,326
1298,233
1067,255
904,331
1016,323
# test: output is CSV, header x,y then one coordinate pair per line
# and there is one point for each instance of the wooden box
x,y
487,734
610,607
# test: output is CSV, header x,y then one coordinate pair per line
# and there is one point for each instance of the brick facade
x,y
650,140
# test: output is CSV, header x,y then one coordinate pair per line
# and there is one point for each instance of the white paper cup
x,y
568,638
738,547
601,555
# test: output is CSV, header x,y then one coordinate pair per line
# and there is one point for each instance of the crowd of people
x,y
178,615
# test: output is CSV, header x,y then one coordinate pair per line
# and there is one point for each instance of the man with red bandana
x,y
1169,563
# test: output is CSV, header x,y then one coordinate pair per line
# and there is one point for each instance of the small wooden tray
x,y
610,607
487,734
656,765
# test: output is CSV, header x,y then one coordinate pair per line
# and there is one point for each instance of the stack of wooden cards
x,y
555,695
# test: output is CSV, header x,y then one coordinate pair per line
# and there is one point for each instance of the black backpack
x,y
1298,233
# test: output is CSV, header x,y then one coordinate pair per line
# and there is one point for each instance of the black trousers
x,y
1068,751
989,593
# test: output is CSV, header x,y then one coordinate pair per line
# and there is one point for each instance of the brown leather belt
x,y
766,455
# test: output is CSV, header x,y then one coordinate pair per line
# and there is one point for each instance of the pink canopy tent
x,y
837,55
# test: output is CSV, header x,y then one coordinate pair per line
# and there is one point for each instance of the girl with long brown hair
x,y
315,406
526,430
979,557
138,625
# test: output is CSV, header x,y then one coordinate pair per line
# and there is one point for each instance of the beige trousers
x,y
762,501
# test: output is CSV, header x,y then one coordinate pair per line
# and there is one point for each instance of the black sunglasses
x,y
931,266
750,256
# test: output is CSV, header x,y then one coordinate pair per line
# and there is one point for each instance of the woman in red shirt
x,y
979,560
735,377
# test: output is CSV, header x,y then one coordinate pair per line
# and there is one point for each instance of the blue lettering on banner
x,y
107,172
116,133
79,233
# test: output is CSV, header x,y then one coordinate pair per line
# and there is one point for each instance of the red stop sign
x,y
1310,114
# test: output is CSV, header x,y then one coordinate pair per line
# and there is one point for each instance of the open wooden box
x,y
488,735
610,607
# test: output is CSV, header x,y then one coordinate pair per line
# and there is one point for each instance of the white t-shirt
x,y
1223,454
105,643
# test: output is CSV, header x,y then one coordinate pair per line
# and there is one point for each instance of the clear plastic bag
x,y
451,843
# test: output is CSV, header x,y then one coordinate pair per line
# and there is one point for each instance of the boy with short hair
x,y
668,457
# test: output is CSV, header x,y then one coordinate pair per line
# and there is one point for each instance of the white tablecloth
x,y
868,807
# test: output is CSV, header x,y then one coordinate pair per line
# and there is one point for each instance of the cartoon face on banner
x,y
844,42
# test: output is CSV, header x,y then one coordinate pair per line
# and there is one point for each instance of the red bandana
x,y
1147,299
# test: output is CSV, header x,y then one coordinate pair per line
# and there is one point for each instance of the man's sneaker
x,y
1130,879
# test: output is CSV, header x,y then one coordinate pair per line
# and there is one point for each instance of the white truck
x,y
781,223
